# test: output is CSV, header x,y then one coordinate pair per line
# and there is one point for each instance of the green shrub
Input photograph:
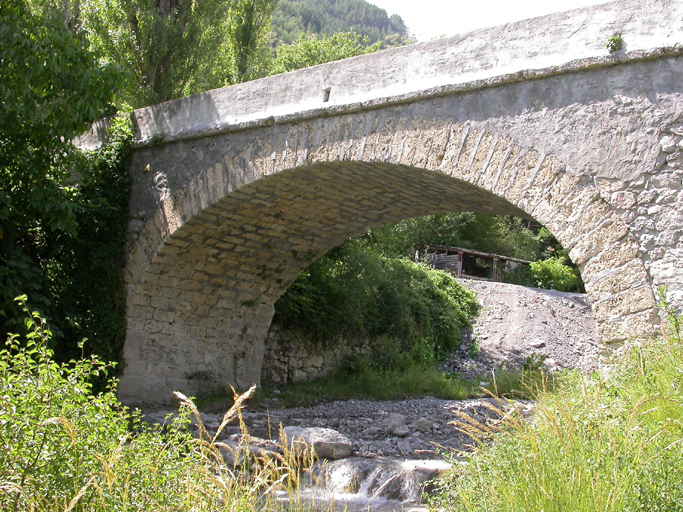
x,y
356,292
65,448
85,282
614,43
76,280
554,274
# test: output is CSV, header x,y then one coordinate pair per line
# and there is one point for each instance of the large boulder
x,y
325,442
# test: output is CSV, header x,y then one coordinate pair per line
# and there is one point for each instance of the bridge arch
x,y
235,190
224,242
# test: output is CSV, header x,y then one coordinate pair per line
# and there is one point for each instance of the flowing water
x,y
372,484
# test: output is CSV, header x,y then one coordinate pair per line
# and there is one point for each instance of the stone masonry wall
x,y
291,356
653,208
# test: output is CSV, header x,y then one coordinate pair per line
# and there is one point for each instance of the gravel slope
x,y
516,322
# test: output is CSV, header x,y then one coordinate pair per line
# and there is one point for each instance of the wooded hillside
x,y
293,17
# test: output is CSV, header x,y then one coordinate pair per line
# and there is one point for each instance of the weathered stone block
x,y
507,170
596,241
456,140
479,157
467,152
631,275
637,326
526,169
489,174
623,304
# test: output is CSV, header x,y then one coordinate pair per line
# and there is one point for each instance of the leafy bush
x,y
85,284
357,292
52,87
310,50
594,444
554,274
65,448
76,275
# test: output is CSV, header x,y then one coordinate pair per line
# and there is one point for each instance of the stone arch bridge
x,y
236,190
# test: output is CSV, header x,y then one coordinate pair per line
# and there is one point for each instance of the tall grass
x,y
375,384
390,374
67,449
593,444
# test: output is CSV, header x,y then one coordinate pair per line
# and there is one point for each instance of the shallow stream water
x,y
372,484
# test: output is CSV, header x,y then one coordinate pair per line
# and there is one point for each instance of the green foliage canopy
x,y
497,234
53,88
84,269
178,47
310,50
249,23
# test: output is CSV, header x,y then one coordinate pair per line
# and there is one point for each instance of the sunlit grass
x,y
365,382
388,384
593,444
66,449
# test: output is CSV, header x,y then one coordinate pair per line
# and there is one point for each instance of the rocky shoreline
x,y
416,428
374,455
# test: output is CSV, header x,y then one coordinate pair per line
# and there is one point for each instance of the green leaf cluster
x,y
62,444
554,274
311,50
53,88
354,292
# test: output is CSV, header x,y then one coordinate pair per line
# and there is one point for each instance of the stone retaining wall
x,y
291,356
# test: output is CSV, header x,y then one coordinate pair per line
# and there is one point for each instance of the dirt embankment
x,y
517,323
